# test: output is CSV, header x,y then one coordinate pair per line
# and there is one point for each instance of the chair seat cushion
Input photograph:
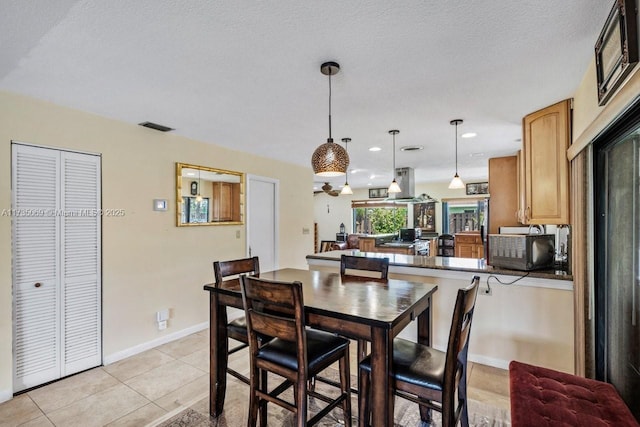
x,y
238,326
416,364
321,346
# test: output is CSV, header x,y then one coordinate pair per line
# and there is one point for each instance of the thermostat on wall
x,y
160,204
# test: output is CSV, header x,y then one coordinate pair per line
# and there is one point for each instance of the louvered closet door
x,y
80,262
56,255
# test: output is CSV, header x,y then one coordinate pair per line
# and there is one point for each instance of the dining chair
x,y
380,265
237,328
427,376
296,353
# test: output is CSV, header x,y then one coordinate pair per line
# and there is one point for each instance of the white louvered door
x,y
56,264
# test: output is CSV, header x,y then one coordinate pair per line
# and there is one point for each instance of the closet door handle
x,y
37,284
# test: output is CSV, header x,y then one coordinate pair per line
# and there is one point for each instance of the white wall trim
x,y
5,395
132,351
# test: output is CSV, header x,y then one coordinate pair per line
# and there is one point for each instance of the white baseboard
x,y
132,351
489,361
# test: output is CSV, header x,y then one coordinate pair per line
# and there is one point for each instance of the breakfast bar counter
x,y
520,315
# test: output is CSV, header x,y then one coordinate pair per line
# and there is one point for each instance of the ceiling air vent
x,y
412,148
155,126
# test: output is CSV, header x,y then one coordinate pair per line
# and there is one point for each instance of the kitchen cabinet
x,y
503,188
225,201
546,136
468,245
367,244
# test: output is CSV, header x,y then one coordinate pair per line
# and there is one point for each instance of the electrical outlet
x,y
237,234
305,230
485,291
162,325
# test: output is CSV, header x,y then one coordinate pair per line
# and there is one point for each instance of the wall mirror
x,y
208,196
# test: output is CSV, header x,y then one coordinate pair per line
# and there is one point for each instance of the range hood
x,y
406,181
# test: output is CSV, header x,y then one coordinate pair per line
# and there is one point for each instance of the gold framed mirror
x,y
208,196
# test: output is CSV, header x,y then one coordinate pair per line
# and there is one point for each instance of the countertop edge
x,y
497,276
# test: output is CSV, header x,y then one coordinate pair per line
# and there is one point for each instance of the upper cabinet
x,y
503,188
547,134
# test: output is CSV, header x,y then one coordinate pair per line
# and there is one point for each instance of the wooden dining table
x,y
352,306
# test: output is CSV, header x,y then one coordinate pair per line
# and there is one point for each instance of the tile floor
x,y
153,386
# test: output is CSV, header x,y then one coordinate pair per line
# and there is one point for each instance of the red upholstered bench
x,y
543,397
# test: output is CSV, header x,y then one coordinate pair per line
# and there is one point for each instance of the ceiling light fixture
x,y
375,149
346,189
394,187
469,135
456,182
330,159
199,196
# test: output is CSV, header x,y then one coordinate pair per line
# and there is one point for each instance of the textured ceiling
x,y
246,74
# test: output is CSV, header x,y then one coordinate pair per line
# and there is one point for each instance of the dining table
x,y
352,306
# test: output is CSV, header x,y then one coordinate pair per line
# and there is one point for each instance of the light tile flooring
x,y
154,385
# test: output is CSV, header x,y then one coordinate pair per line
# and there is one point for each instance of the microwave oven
x,y
410,234
521,251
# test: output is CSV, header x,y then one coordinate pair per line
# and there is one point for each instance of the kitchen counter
x,y
520,315
470,265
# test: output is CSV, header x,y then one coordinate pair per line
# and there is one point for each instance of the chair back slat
x,y
380,265
225,269
273,308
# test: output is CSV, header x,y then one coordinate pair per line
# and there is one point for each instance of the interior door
x,y
56,264
262,221
618,267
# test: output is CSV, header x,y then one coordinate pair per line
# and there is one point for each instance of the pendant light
x,y
330,159
394,187
346,189
456,182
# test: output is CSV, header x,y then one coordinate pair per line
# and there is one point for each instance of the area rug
x,y
236,409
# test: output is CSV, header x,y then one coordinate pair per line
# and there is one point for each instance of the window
x,y
463,215
378,218
194,211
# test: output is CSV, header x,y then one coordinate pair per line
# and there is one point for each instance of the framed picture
x,y
616,49
478,188
378,193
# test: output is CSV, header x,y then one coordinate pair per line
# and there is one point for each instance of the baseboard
x,y
489,361
132,351
5,395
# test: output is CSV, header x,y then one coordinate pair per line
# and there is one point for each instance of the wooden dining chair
x,y
237,328
379,265
427,376
296,353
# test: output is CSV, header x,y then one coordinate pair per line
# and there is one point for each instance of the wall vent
x,y
155,126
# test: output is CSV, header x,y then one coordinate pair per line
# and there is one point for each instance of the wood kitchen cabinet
x,y
503,188
469,245
225,202
546,137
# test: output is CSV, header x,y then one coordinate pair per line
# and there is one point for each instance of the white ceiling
x,y
246,74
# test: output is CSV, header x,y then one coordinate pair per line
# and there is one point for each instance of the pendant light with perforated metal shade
x,y
346,189
330,159
394,187
456,182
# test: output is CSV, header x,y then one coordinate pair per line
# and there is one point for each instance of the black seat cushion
x,y
415,364
238,326
320,347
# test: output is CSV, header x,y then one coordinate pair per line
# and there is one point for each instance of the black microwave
x,y
410,234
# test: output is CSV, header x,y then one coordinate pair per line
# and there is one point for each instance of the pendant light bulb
x,y
199,196
456,182
330,159
394,187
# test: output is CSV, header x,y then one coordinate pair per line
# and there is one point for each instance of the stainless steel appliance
x,y
410,234
521,251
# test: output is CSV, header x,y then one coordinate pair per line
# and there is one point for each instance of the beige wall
x,y
148,263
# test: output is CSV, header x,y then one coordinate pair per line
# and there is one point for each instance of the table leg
x,y
381,387
218,355
425,326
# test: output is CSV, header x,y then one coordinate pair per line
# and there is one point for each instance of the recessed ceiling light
x,y
412,148
355,171
372,176
469,135
369,184
191,174
375,149
476,155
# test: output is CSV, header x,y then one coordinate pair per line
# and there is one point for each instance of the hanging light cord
x,y
456,149
393,174
330,139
